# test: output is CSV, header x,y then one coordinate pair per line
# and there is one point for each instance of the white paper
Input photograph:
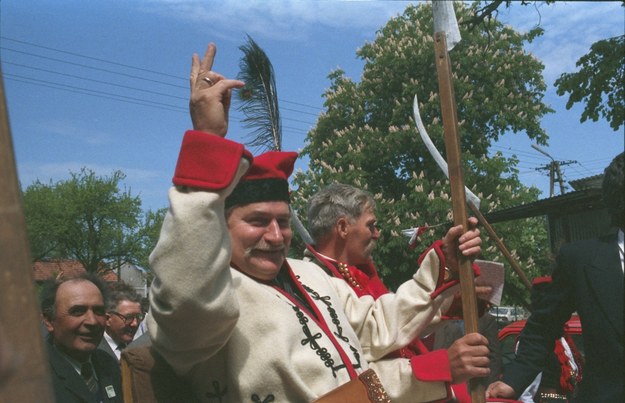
x,y
491,274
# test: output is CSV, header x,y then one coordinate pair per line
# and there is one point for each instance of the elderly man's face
x,y
122,324
78,323
260,234
361,238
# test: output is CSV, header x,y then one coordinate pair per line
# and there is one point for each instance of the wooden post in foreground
x,y
458,197
24,373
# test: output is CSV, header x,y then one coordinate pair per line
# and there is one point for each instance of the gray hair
x,y
118,292
333,202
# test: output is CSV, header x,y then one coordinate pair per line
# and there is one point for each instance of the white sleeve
x,y
395,319
192,307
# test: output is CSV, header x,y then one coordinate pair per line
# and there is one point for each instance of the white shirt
x,y
620,248
113,345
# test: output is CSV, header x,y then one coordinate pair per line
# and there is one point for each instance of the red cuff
x,y
461,393
431,367
207,161
443,284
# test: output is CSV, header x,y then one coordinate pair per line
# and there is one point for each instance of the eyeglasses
x,y
129,318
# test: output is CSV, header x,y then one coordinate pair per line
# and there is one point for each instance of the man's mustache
x,y
264,247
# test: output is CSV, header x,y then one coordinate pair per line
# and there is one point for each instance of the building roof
x,y
581,200
44,270
588,182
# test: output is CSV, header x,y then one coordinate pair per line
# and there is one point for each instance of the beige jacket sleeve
x,y
192,308
395,319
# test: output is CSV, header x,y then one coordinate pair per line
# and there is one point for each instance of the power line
x,y
89,91
95,81
121,98
93,68
132,67
128,87
88,57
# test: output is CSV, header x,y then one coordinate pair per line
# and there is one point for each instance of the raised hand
x,y
211,94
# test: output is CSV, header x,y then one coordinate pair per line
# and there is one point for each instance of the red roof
x,y
43,270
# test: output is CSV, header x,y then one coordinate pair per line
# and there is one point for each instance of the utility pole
x,y
554,170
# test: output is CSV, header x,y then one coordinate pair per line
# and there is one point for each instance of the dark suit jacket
x,y
104,346
588,279
69,386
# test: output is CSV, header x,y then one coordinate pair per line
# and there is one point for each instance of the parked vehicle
x,y
508,314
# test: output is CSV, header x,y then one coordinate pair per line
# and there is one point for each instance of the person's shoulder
x,y
306,266
298,263
55,357
103,358
309,271
141,341
585,244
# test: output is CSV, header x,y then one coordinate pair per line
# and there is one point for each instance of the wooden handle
x,y
458,197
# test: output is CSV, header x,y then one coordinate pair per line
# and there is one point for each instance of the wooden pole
x,y
24,373
458,197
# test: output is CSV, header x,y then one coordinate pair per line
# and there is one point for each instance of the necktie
x,y
86,370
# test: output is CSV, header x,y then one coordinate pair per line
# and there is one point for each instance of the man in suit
x,y
74,316
588,278
123,317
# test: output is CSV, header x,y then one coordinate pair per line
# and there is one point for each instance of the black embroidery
x,y
218,392
335,320
311,339
269,398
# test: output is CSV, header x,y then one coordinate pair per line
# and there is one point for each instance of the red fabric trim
x,y
207,161
431,367
541,280
444,287
461,392
569,379
365,275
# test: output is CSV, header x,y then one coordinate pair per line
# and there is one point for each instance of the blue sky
x,y
103,84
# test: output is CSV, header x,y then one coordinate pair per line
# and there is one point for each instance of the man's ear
x,y
47,323
342,227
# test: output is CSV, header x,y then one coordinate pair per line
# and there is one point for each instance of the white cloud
x,y
281,19
45,172
73,132
570,29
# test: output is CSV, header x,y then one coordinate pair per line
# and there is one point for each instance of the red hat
x,y
266,180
